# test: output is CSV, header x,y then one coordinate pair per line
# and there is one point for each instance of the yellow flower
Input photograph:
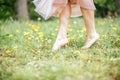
x,y
17,30
15,48
118,39
30,31
114,28
53,34
83,30
34,27
73,37
77,51
42,39
7,51
80,36
101,23
111,20
26,33
104,35
56,29
40,34
29,38
29,24
36,38
70,29
10,36
83,57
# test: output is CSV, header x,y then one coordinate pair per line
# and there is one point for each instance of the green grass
x,y
25,51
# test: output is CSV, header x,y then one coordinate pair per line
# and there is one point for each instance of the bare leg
x,y
92,35
61,39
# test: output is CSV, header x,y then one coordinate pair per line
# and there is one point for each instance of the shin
x,y
92,35
64,17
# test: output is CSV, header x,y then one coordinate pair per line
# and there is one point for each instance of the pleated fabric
x,y
48,8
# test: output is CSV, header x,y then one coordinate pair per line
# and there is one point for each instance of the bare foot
x,y
89,42
59,44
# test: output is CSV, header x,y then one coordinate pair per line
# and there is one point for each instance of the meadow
x,y
25,51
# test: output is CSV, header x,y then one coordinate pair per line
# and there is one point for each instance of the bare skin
x,y
92,35
64,17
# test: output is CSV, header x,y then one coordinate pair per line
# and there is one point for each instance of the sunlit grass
x,y
25,51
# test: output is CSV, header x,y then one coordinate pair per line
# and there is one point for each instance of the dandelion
x,y
111,20
53,34
34,27
42,40
17,30
114,28
73,37
118,39
29,24
70,29
104,35
40,34
29,38
15,48
36,38
56,29
101,23
80,36
84,57
7,51
10,36
26,33
30,31
83,30
77,51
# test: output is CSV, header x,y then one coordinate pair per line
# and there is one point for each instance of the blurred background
x,y
16,9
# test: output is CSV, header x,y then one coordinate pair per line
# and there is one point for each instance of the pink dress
x,y
48,8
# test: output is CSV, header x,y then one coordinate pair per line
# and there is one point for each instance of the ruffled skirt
x,y
48,8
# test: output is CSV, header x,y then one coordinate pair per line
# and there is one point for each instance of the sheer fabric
x,y
48,8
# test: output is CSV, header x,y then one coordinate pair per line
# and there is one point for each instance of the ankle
x,y
93,35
